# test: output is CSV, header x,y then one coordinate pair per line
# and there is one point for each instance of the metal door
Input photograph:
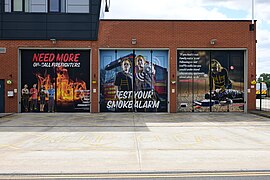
x,y
210,81
68,71
134,80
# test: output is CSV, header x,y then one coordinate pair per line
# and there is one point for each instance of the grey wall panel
x,y
1,6
68,18
94,33
70,26
24,17
1,16
95,2
94,18
42,26
94,9
94,26
1,30
70,34
25,34
32,26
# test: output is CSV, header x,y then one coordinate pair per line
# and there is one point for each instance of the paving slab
x,y
133,142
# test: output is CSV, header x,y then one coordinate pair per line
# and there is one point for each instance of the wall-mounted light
x,y
133,41
94,81
9,82
213,41
53,40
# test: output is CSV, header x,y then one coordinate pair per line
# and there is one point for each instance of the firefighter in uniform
x,y
219,79
123,82
123,79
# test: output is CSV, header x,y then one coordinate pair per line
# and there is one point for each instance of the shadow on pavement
x,y
118,122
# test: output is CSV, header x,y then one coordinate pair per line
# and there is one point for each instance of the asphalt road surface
x,y
256,175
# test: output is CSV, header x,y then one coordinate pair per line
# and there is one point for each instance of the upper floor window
x,y
17,5
39,6
77,6
54,5
44,6
7,5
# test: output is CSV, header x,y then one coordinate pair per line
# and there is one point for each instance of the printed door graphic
x,y
210,81
133,81
65,71
2,96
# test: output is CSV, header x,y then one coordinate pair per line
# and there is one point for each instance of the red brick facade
x,y
149,35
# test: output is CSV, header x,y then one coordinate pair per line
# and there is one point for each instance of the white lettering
x,y
129,104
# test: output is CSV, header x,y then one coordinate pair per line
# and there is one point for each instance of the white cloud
x,y
262,12
200,9
263,55
230,4
263,38
155,9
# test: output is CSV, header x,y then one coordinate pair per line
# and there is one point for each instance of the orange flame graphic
x,y
68,90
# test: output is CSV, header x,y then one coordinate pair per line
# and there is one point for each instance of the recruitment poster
x,y
65,71
133,81
210,81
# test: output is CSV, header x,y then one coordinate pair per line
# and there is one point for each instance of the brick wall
x,y
149,35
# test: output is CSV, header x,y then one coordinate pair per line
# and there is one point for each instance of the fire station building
x,y
63,58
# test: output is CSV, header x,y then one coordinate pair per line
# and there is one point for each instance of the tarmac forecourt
x,y
138,175
83,145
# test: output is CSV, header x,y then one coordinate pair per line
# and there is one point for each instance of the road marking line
x,y
8,146
134,176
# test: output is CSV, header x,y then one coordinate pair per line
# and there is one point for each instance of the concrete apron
x,y
107,143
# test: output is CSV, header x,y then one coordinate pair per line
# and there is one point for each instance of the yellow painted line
x,y
178,138
198,139
135,176
41,138
157,138
82,138
9,146
99,139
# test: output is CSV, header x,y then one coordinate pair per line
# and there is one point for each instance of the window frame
x,y
23,7
71,12
59,8
62,9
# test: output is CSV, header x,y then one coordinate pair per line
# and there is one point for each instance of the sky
x,y
202,10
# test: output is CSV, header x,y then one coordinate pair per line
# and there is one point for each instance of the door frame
x,y
20,49
136,49
245,68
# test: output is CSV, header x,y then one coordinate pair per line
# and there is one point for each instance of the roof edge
x,y
176,20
